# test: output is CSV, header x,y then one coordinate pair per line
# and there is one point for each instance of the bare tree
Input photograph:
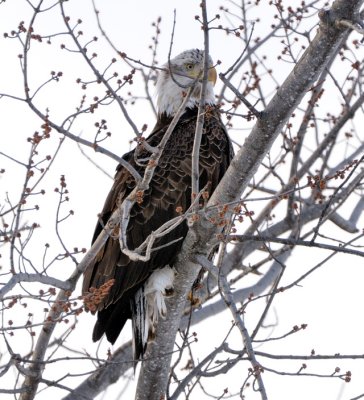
x,y
295,86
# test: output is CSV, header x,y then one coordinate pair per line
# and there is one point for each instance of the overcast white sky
x,y
128,23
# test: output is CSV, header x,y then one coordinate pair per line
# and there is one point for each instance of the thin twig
x,y
229,300
296,242
195,157
251,108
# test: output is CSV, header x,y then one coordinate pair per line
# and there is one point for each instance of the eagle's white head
x,y
182,72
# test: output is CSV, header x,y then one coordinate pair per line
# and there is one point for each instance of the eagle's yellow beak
x,y
212,75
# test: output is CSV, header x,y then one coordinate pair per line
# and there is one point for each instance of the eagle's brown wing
x,y
170,188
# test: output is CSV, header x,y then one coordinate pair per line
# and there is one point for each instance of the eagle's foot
x,y
169,292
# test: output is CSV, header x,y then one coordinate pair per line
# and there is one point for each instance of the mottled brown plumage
x,y
170,188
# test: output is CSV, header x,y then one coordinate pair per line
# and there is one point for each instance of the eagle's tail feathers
x,y
139,323
110,321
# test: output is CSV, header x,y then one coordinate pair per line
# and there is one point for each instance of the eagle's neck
x,y
164,120
170,95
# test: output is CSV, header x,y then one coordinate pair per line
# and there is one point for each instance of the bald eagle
x,y
138,288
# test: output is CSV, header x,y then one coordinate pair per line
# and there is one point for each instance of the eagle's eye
x,y
189,67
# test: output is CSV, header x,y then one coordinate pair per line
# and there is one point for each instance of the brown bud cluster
x,y
139,196
95,296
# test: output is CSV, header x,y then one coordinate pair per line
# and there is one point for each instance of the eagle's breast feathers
x,y
168,195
